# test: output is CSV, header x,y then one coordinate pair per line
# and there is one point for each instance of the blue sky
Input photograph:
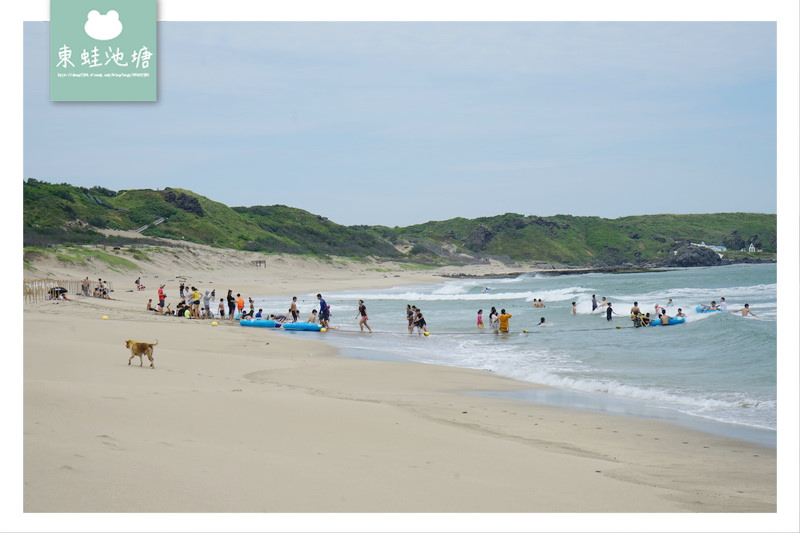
x,y
399,123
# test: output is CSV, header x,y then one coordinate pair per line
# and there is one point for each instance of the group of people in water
x,y
195,304
645,319
499,322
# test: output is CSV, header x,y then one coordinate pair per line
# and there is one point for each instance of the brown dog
x,y
140,349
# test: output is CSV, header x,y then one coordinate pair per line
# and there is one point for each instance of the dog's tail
x,y
155,342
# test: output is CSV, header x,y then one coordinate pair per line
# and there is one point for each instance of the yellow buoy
x,y
323,330
105,317
619,327
427,333
213,323
524,331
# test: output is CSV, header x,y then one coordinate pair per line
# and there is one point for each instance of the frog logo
x,y
103,27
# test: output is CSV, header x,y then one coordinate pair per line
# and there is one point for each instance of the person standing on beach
x,y
362,311
293,310
180,289
324,312
239,304
207,303
231,304
162,296
195,297
85,286
221,309
503,320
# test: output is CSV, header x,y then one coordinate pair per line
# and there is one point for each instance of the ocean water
x,y
716,372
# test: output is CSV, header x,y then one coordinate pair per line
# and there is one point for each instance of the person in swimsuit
x,y
480,318
745,311
293,309
594,303
712,307
362,311
609,311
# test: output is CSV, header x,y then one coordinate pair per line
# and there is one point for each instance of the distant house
x,y
751,248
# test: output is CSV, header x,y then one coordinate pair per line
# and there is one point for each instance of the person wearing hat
x,y
161,297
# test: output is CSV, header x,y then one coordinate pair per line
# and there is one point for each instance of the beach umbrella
x,y
58,290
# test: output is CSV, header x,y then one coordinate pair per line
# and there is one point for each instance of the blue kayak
x,y
259,323
671,322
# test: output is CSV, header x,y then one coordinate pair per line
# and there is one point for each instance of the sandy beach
x,y
246,420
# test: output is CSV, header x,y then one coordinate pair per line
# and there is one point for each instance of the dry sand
x,y
251,421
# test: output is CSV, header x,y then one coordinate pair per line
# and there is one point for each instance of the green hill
x,y
61,213
55,214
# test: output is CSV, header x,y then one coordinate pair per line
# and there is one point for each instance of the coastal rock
x,y
693,256
479,238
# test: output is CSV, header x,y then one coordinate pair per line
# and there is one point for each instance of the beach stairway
x,y
156,222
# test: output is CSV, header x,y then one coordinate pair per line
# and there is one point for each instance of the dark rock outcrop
x,y
479,238
694,256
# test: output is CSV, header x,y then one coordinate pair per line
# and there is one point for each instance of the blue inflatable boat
x,y
259,323
302,326
671,322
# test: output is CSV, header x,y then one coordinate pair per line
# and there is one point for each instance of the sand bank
x,y
245,420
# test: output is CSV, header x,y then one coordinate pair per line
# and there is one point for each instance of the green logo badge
x,y
103,50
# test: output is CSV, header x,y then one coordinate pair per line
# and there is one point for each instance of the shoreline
x,y
543,394
307,419
590,270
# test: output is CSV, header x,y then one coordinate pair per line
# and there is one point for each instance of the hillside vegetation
x,y
58,214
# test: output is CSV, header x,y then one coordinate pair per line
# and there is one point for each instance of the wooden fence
x,y
39,290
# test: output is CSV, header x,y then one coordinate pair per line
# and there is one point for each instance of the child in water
x,y
480,318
